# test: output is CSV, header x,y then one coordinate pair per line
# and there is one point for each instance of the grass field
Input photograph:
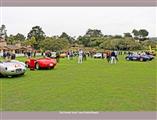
x,y
94,85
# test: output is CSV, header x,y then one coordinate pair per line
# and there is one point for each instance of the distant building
x,y
17,48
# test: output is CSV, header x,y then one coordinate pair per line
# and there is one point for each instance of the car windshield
x,y
7,61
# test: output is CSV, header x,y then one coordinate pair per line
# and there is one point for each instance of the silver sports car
x,y
12,68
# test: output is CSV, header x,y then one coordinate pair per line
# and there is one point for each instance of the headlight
x,y
51,64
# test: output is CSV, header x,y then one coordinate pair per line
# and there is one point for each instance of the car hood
x,y
47,61
11,65
98,54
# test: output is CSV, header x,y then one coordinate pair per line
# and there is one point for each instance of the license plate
x,y
18,70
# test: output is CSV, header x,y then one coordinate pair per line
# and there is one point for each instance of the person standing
x,y
29,54
4,55
57,56
108,56
13,56
8,55
102,55
68,55
42,53
113,57
71,55
80,56
116,55
84,56
35,53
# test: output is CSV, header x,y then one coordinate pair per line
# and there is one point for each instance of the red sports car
x,y
41,63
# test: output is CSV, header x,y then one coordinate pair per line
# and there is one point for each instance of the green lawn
x,y
94,85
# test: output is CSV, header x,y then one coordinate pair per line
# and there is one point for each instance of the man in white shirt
x,y
80,56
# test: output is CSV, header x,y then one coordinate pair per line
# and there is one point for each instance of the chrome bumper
x,y
13,72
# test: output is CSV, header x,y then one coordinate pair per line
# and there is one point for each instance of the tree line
x,y
136,40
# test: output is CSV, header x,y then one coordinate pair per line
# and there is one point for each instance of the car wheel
x,y
52,67
22,74
9,76
127,59
0,75
27,66
37,66
141,59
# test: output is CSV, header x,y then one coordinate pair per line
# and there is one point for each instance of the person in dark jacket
x,y
8,55
57,56
13,56
113,57
29,54
84,56
35,53
4,54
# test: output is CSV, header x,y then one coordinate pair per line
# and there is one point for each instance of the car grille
x,y
18,70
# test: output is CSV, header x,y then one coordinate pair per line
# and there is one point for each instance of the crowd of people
x,y
7,55
30,54
110,56
82,55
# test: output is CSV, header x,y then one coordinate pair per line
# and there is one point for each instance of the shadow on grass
x,y
11,77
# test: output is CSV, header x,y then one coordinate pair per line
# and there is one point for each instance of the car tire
x,y
22,74
27,66
51,68
150,59
37,66
141,59
127,59
0,75
10,76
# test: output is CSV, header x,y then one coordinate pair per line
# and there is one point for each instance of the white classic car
x,y
98,55
12,68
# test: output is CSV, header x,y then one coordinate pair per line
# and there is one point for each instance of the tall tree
x,y
143,34
148,43
3,32
54,44
32,42
117,36
11,39
135,33
93,33
38,34
66,36
85,40
20,37
127,34
120,44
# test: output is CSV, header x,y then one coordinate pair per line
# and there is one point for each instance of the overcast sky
x,y
76,20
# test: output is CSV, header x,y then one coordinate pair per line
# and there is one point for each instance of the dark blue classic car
x,y
136,57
